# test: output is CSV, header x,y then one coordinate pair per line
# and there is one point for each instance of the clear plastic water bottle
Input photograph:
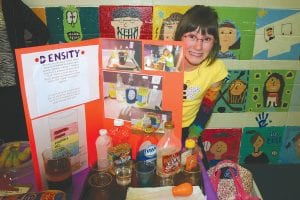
x,y
103,143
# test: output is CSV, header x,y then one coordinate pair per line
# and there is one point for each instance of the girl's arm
x,y
205,110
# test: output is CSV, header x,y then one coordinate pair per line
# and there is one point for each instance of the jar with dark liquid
x,y
58,169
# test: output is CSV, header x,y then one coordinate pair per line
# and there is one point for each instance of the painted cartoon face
x,y
127,27
72,27
258,142
227,36
218,148
169,30
198,48
273,85
237,87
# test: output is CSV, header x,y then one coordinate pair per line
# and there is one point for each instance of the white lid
x,y
102,131
118,122
145,77
155,86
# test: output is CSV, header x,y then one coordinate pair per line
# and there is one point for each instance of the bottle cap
x,y
102,131
190,143
118,122
169,125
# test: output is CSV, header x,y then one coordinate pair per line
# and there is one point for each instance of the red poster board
x,y
65,92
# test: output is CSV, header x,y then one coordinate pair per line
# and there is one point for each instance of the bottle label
x,y
191,162
148,153
171,163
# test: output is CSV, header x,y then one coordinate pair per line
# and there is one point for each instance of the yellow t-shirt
x,y
196,83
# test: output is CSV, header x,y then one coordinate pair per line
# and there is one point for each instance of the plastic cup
x,y
100,185
193,176
145,173
123,173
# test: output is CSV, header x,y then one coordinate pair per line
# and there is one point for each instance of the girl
x,y
204,73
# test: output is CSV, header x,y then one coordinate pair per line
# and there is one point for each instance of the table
x,y
117,192
77,186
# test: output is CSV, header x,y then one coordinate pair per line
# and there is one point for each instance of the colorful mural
x,y
248,36
165,20
221,144
270,90
290,149
242,22
61,23
261,145
126,22
234,92
277,35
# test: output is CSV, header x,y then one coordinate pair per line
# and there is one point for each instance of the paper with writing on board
x,y
64,78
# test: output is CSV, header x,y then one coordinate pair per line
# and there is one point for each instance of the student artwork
x,y
234,92
294,102
261,145
162,57
165,21
270,90
236,32
221,144
229,36
276,32
262,119
68,24
269,33
71,22
169,26
126,22
290,149
41,13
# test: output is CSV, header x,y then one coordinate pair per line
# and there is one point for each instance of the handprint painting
x,y
263,119
270,90
234,92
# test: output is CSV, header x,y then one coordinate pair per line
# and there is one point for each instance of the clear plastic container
x,y
168,152
103,143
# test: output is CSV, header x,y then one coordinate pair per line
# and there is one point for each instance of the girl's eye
x,y
193,37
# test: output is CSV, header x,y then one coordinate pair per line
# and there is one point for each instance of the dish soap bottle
x,y
148,145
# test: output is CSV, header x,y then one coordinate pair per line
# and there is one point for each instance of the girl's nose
x,y
198,44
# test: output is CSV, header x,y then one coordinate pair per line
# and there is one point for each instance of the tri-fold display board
x,y
72,90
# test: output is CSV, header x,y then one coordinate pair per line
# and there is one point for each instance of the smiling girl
x,y
204,73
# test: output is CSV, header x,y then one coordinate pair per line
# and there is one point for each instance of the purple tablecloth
x,y
78,182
